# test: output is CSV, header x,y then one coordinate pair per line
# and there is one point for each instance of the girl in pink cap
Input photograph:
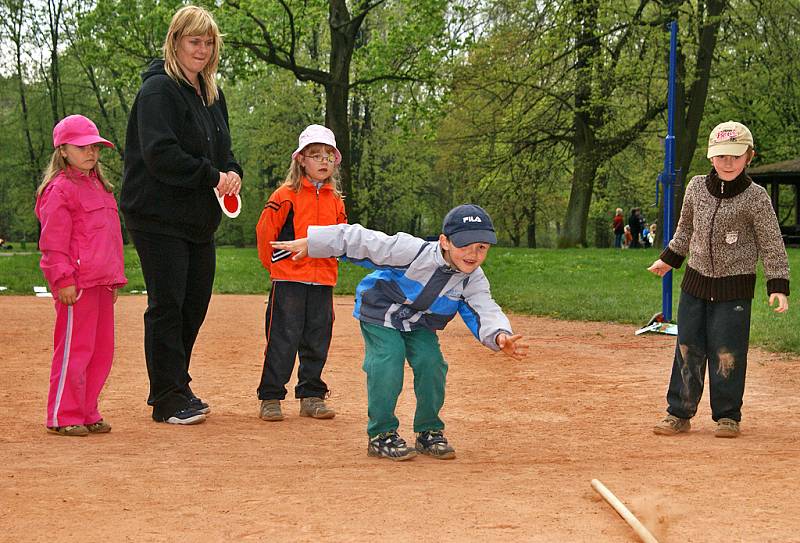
x,y
299,315
81,245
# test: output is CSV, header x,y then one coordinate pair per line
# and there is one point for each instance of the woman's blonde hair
x,y
58,163
193,21
295,175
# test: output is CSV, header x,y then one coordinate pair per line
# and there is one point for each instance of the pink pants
x,y
83,348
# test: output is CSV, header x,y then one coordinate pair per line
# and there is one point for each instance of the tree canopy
x,y
549,113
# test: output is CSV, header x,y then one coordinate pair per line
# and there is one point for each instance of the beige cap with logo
x,y
729,138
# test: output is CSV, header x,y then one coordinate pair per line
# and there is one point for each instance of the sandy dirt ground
x,y
530,435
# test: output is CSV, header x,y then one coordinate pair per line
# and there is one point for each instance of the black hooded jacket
x,y
175,148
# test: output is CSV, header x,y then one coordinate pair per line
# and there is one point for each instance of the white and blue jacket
x,y
412,287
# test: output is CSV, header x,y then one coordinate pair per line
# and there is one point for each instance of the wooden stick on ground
x,y
643,533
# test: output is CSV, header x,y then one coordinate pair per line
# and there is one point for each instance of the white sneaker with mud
x,y
672,425
315,408
727,428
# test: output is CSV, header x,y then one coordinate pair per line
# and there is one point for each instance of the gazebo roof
x,y
785,168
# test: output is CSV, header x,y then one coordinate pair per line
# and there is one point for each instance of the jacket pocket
x,y
96,211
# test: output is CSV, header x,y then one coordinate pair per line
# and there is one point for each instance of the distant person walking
x,y
635,222
618,226
651,235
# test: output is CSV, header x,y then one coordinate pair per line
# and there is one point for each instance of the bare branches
x,y
276,55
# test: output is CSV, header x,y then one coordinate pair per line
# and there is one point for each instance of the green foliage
x,y
576,284
450,101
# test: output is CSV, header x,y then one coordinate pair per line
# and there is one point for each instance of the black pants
x,y
299,320
179,276
717,333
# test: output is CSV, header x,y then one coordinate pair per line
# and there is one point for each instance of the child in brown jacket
x,y
726,223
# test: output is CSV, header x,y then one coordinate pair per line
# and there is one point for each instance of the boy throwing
x,y
417,288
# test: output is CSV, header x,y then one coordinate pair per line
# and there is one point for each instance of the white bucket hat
x,y
316,133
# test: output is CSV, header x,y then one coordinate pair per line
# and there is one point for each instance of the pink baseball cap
x,y
77,130
316,133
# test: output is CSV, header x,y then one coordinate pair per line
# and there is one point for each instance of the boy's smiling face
x,y
465,259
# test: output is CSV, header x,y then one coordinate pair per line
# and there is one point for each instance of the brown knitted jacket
x,y
726,226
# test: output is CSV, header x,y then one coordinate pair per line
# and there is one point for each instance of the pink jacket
x,y
81,239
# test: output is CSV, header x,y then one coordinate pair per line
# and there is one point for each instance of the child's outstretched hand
x,y
513,346
659,267
783,301
299,246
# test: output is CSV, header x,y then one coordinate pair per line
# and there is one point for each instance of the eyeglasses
x,y
319,159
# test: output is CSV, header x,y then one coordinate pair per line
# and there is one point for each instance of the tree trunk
x,y
337,92
690,105
15,27
532,224
580,197
54,11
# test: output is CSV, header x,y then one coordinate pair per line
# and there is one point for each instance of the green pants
x,y
386,351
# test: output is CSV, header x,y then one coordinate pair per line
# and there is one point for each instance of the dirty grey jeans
x,y
716,333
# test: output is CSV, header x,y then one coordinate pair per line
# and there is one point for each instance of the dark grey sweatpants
x,y
716,334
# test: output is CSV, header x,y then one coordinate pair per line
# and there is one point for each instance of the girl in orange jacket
x,y
299,317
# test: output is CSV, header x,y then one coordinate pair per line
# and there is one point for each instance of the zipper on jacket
x,y
316,269
711,239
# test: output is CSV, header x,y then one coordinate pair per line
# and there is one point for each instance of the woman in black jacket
x,y
178,150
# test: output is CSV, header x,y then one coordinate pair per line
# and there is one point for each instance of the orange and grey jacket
x,y
287,216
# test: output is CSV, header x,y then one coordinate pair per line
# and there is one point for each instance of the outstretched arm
x,y
513,346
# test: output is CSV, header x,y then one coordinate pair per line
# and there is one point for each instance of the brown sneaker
x,y
71,430
315,408
270,410
727,428
672,425
99,427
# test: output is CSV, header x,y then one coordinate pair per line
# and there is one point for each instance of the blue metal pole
x,y
668,176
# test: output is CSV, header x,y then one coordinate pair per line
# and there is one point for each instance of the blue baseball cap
x,y
467,224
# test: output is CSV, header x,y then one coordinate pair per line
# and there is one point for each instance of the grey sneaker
x,y
315,408
390,445
727,428
270,410
672,425
433,443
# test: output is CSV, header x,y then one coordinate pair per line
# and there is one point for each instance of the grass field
x,y
576,284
